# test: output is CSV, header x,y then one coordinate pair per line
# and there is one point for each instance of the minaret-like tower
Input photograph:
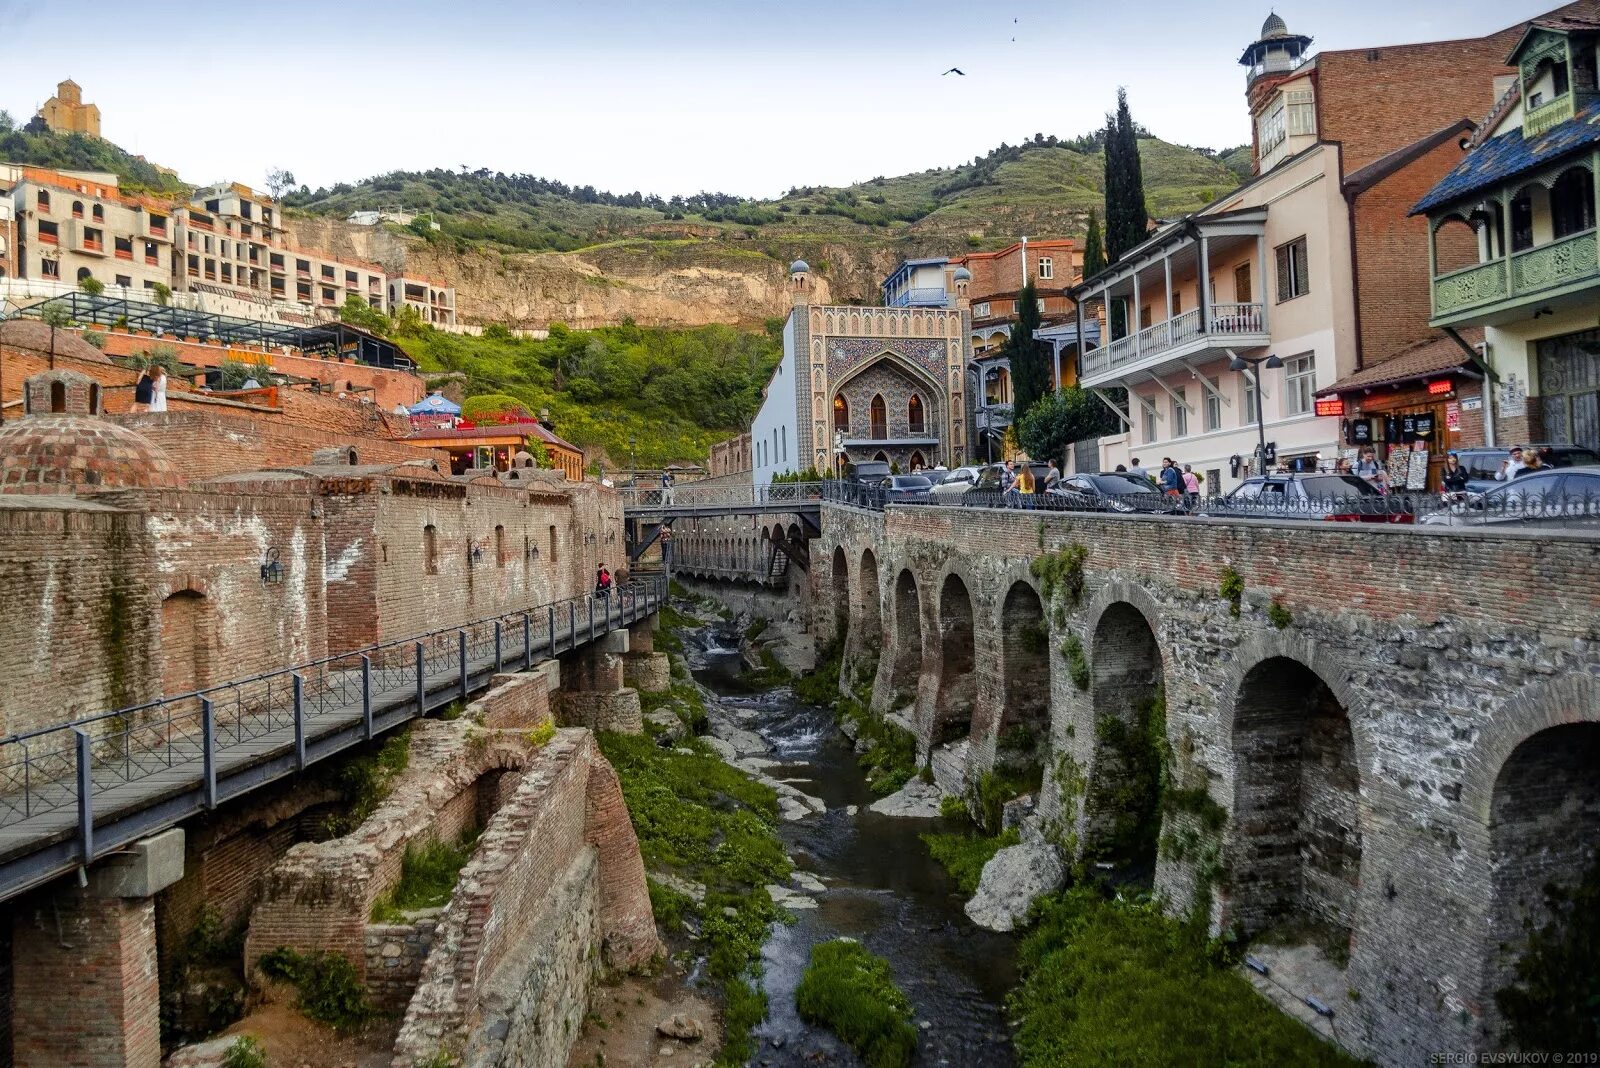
x,y
800,283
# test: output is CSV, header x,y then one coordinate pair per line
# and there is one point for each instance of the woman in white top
x,y
158,392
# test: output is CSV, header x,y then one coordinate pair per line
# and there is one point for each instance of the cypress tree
x,y
1126,214
1094,247
1030,370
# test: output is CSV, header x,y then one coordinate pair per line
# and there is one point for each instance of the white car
x,y
956,482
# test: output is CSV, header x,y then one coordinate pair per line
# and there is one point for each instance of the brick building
x,y
66,112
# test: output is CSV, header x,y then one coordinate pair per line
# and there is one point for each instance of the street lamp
x,y
1252,367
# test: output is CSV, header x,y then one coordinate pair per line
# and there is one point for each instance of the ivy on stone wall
x,y
1232,589
1077,662
1061,572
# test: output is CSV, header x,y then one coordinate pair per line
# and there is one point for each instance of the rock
x,y
681,1027
671,727
721,748
785,898
851,810
915,800
806,881
688,887
1011,881
1015,811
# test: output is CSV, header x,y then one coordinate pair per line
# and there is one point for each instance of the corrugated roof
x,y
1509,155
1423,359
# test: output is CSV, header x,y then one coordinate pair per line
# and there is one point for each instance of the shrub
x,y
964,855
1232,589
244,1052
1278,615
95,338
851,992
330,990
1077,662
428,876
91,285
1061,571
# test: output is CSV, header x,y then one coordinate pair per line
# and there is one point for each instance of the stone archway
x,y
1023,734
865,637
841,596
957,693
1122,806
905,671
185,643
1296,835
1544,841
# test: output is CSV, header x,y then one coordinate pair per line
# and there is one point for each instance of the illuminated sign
x,y
1444,385
1331,406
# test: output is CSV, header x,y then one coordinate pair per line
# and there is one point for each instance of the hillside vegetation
x,y
38,147
1042,186
676,392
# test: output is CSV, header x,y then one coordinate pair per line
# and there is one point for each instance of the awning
x,y
1433,358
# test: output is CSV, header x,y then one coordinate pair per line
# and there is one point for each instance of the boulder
x,y
1011,881
681,1027
915,800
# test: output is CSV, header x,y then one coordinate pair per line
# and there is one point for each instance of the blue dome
x,y
962,275
799,267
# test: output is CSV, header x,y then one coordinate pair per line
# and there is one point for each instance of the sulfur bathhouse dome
x,y
63,446
962,275
799,267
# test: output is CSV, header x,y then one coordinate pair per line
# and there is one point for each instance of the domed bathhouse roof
x,y
62,446
962,275
799,267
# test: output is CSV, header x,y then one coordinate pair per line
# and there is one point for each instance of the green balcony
x,y
1537,120
1501,289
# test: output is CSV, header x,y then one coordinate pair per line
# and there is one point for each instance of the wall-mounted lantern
x,y
271,569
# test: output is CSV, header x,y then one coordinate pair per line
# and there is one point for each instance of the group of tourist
x,y
150,392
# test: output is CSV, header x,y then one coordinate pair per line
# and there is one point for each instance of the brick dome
x,y
69,454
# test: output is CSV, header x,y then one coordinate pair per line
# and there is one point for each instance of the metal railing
x,y
773,496
1222,320
73,776
1574,512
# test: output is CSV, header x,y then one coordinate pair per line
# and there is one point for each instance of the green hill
x,y
39,147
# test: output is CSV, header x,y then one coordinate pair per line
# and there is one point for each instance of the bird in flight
x,y
954,70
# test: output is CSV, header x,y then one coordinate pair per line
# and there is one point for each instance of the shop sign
x,y
1472,404
1452,417
1330,406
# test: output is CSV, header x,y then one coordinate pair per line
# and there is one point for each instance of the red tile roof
x,y
1424,359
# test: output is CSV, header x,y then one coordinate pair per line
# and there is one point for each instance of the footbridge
x,y
650,513
84,789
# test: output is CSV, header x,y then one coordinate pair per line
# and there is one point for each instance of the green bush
x,y
244,1052
1077,662
964,855
1278,615
851,993
366,780
1231,587
331,991
428,876
1113,982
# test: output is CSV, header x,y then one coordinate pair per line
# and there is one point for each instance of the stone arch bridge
x,y
1389,736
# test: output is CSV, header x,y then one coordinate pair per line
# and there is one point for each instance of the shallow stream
x,y
882,888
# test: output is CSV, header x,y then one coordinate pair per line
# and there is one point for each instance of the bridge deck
x,y
154,772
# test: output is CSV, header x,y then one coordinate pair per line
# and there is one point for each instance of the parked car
x,y
957,482
867,472
1558,497
1115,491
1334,498
906,489
1483,464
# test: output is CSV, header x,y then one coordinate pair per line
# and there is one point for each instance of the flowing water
x,y
883,889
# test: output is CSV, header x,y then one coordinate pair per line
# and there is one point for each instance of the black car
x,y
867,472
1116,491
906,489
1483,464
1328,497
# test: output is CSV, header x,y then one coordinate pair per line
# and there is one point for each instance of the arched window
x,y
882,457
77,209
44,200
94,398
58,396
98,212
430,549
914,417
841,414
84,272
499,546
1572,202
880,417
917,462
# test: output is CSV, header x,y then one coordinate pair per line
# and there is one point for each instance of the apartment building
x,y
231,241
73,225
1313,265
1512,238
434,300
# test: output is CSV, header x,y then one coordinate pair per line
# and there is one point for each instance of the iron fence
x,y
638,499
71,775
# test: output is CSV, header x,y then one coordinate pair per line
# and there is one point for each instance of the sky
x,y
739,96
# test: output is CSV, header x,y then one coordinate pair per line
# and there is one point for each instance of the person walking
x,y
144,392
158,390
1454,476
1137,470
666,487
1511,466
1191,484
602,581
1171,478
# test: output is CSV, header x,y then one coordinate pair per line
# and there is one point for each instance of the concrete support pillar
x,y
642,667
86,987
593,689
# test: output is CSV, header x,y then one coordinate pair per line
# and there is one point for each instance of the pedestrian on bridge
x,y
666,487
602,581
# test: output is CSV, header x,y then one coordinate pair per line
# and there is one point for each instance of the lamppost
x,y
1252,367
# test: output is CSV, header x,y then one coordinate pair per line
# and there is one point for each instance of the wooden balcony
x,y
1508,288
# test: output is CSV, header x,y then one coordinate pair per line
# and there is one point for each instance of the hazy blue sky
x,y
742,96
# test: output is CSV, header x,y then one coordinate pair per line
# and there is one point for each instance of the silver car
x,y
956,482
1566,497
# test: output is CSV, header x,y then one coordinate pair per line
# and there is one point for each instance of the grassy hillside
x,y
675,391
1045,186
76,152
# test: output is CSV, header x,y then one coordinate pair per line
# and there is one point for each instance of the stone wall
x,y
1372,757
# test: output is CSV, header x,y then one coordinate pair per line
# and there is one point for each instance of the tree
x,y
1094,247
358,313
279,181
1127,217
1062,418
162,292
1030,370
91,285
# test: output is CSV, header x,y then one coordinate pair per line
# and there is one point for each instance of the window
x,y
194,265
124,280
1149,413
1572,202
841,414
1180,415
1144,317
77,209
1272,129
1292,270
98,212
50,268
1177,303
1047,268
1241,283
980,310
499,546
784,456
1302,113
49,233
914,418
1213,413
552,544
1301,378
430,549
880,417
43,200
84,272
1251,401
93,239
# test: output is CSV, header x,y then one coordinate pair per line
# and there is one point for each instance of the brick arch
x,y
956,658
1255,649
905,615
1559,702
840,583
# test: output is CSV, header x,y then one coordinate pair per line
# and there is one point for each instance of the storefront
x,y
1411,410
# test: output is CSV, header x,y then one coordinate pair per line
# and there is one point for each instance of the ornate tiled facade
x,y
897,353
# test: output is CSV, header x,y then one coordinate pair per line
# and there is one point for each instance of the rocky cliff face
x,y
685,282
